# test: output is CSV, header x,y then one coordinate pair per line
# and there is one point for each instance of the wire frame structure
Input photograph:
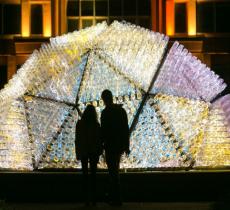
x,y
177,118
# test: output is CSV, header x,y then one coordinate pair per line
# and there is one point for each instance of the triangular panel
x,y
15,148
60,152
215,150
186,120
65,86
44,121
184,75
60,54
98,76
135,51
150,144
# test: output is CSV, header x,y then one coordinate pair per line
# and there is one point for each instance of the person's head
x,y
90,114
107,97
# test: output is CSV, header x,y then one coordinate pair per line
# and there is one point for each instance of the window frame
x,y
107,18
214,33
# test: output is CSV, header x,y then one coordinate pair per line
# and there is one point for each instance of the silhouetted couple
x,y
112,137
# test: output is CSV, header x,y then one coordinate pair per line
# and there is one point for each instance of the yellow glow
x,y
192,31
25,18
47,32
181,1
170,17
47,20
191,9
25,32
170,31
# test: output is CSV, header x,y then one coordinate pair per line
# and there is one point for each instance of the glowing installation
x,y
168,98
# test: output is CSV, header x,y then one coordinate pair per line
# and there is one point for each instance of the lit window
x,y
84,13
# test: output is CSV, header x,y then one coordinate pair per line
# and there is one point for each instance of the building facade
x,y
201,25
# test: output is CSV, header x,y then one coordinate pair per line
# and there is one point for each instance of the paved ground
x,y
104,206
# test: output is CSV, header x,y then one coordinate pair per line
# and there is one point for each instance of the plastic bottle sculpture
x,y
166,92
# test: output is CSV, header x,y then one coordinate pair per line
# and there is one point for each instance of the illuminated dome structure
x,y
176,117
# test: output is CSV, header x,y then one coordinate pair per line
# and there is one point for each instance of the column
x,y
191,10
154,15
63,16
170,23
25,11
46,19
55,17
162,16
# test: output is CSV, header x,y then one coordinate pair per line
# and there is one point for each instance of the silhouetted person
x,y
88,149
115,137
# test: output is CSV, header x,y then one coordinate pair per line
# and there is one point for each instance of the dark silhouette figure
x,y
115,137
88,149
